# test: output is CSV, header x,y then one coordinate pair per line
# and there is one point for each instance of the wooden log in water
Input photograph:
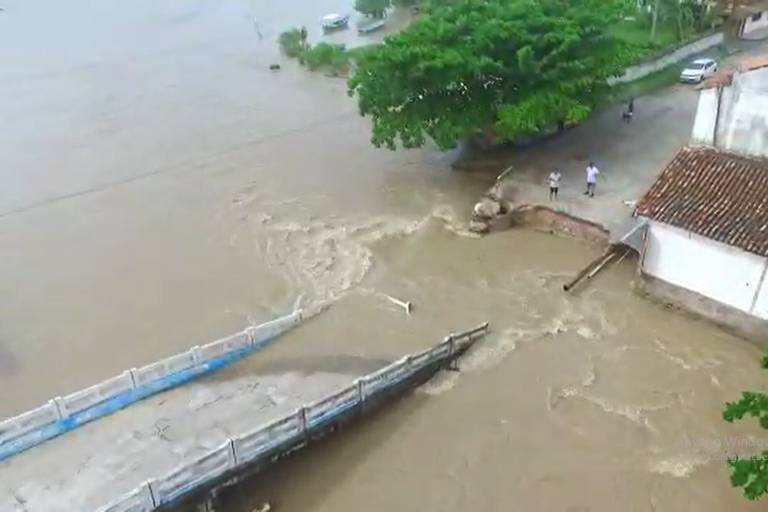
x,y
592,268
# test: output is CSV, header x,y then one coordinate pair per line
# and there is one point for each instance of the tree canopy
x,y
750,473
512,67
375,8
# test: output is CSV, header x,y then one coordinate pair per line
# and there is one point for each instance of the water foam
x,y
327,259
678,466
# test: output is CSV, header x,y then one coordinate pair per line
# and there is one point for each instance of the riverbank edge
x,y
555,222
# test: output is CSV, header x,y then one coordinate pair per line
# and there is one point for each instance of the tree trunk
x,y
654,19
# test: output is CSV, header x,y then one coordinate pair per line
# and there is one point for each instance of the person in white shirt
x,y
554,183
592,173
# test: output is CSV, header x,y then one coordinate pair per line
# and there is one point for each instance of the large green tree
x,y
511,67
750,473
375,8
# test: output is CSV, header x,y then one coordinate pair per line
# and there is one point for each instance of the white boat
x,y
373,26
335,22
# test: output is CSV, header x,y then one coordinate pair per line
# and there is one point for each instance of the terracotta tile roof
x,y
717,195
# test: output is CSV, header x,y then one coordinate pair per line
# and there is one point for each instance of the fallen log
x,y
592,268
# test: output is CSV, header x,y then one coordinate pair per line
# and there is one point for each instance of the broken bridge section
x,y
190,438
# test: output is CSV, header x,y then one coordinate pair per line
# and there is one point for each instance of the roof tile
x,y
713,194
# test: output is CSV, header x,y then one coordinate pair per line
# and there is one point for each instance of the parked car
x,y
698,70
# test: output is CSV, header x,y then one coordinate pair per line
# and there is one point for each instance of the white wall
x,y
752,26
740,124
761,303
718,271
743,125
706,118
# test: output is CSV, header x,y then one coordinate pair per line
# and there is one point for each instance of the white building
x,y
706,245
733,110
752,20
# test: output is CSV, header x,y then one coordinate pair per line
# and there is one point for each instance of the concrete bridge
x,y
74,454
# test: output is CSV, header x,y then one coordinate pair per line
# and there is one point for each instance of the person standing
x,y
554,183
592,172
630,112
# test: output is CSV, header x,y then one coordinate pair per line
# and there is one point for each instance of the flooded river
x,y
161,187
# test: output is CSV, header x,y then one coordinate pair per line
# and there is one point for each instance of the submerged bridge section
x,y
156,452
63,414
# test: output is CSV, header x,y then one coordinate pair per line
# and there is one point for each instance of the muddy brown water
x,y
161,187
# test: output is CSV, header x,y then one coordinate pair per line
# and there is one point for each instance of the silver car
x,y
698,70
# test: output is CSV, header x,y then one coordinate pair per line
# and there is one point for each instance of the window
x,y
757,16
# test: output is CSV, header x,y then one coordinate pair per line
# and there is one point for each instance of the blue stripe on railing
x,y
57,428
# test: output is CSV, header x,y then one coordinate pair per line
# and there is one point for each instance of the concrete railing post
x,y
233,462
303,421
61,409
360,391
197,356
149,493
451,352
132,375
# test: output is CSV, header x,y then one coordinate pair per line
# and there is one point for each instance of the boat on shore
x,y
332,22
373,26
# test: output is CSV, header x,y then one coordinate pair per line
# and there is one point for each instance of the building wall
x,y
736,118
717,271
731,319
761,302
706,118
751,25
743,124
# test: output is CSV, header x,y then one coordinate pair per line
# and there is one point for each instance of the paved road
x,y
629,156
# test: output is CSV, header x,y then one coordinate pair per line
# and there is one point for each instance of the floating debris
x,y
406,305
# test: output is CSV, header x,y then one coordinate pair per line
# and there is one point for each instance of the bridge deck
x,y
87,468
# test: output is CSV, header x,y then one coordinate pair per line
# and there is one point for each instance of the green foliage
x,y
751,473
375,8
293,41
515,67
358,52
636,33
683,17
330,57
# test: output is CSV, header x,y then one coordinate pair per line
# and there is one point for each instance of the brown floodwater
x,y
597,400
161,187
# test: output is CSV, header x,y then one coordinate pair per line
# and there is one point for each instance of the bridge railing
x,y
289,431
66,413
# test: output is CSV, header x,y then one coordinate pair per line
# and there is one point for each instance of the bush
x,y
293,42
331,57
